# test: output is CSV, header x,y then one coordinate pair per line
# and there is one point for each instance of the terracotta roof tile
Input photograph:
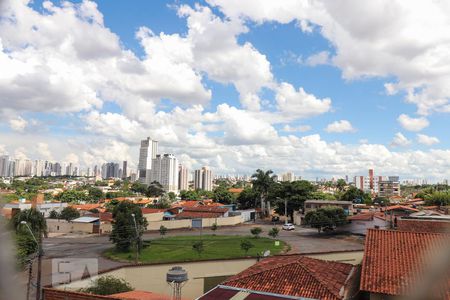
x,y
197,214
394,261
146,210
295,275
139,295
400,207
424,225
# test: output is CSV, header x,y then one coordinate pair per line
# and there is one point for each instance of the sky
x,y
320,88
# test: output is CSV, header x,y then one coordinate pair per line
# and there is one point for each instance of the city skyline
x,y
233,87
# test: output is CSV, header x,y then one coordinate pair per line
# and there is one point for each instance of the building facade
x,y
165,171
147,152
183,178
203,179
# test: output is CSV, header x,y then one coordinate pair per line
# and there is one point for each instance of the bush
x,y
274,232
108,285
162,230
198,247
256,231
214,227
69,213
53,215
246,245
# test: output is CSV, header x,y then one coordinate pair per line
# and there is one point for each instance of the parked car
x,y
288,226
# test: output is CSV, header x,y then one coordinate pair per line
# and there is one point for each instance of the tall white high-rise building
x,y
183,178
147,152
165,171
4,166
288,176
203,179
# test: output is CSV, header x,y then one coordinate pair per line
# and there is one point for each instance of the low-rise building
x,y
290,277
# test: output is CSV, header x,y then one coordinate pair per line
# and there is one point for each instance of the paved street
x,y
302,240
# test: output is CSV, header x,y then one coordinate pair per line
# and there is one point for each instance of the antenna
x,y
176,278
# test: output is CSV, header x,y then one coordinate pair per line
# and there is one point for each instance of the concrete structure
x,y
390,187
147,151
44,208
203,179
165,171
368,184
288,176
183,178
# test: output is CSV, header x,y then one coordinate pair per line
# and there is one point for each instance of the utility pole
x,y
136,258
285,212
38,277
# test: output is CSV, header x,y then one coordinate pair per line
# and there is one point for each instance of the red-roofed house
x,y
396,263
202,212
290,277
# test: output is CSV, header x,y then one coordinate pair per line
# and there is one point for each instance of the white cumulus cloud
x,y
413,124
427,140
340,127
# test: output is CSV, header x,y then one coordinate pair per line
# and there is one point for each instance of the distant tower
x,y
124,170
147,152
176,278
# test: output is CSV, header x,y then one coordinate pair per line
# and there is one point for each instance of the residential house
x,y
398,264
290,277
202,212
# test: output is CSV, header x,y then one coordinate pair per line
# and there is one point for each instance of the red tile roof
x,y
86,206
400,207
295,275
152,210
197,214
395,261
139,295
206,209
424,225
362,217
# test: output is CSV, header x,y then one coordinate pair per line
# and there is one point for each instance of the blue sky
x,y
276,52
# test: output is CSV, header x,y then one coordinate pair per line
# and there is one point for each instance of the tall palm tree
x,y
34,219
262,180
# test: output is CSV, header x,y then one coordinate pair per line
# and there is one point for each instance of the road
x,y
302,240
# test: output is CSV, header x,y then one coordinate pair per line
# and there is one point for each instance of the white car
x,y
288,226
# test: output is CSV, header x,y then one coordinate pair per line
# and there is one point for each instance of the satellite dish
x,y
266,253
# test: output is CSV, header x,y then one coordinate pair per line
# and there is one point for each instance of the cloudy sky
x,y
321,88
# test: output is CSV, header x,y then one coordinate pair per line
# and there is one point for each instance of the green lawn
x,y
179,249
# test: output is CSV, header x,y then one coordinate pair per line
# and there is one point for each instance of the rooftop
x,y
395,261
332,202
139,295
295,275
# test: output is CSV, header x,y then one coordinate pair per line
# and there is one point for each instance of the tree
x,y
53,215
172,196
162,230
246,245
296,193
155,189
198,247
247,198
256,231
35,220
355,195
95,194
69,213
325,217
124,233
274,232
382,201
26,245
341,184
108,285
222,195
318,195
138,187
214,227
72,196
440,198
262,181
164,201
189,195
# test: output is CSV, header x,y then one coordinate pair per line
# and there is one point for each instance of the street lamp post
x,y
136,259
38,278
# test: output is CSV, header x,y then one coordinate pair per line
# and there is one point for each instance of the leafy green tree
x,y
111,205
162,230
172,196
247,198
155,189
108,285
53,215
296,193
382,201
69,213
124,233
198,247
318,195
34,219
246,245
355,195
101,183
341,184
439,198
274,232
256,231
222,195
189,195
72,196
95,194
262,181
26,246
324,217
138,187
205,194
